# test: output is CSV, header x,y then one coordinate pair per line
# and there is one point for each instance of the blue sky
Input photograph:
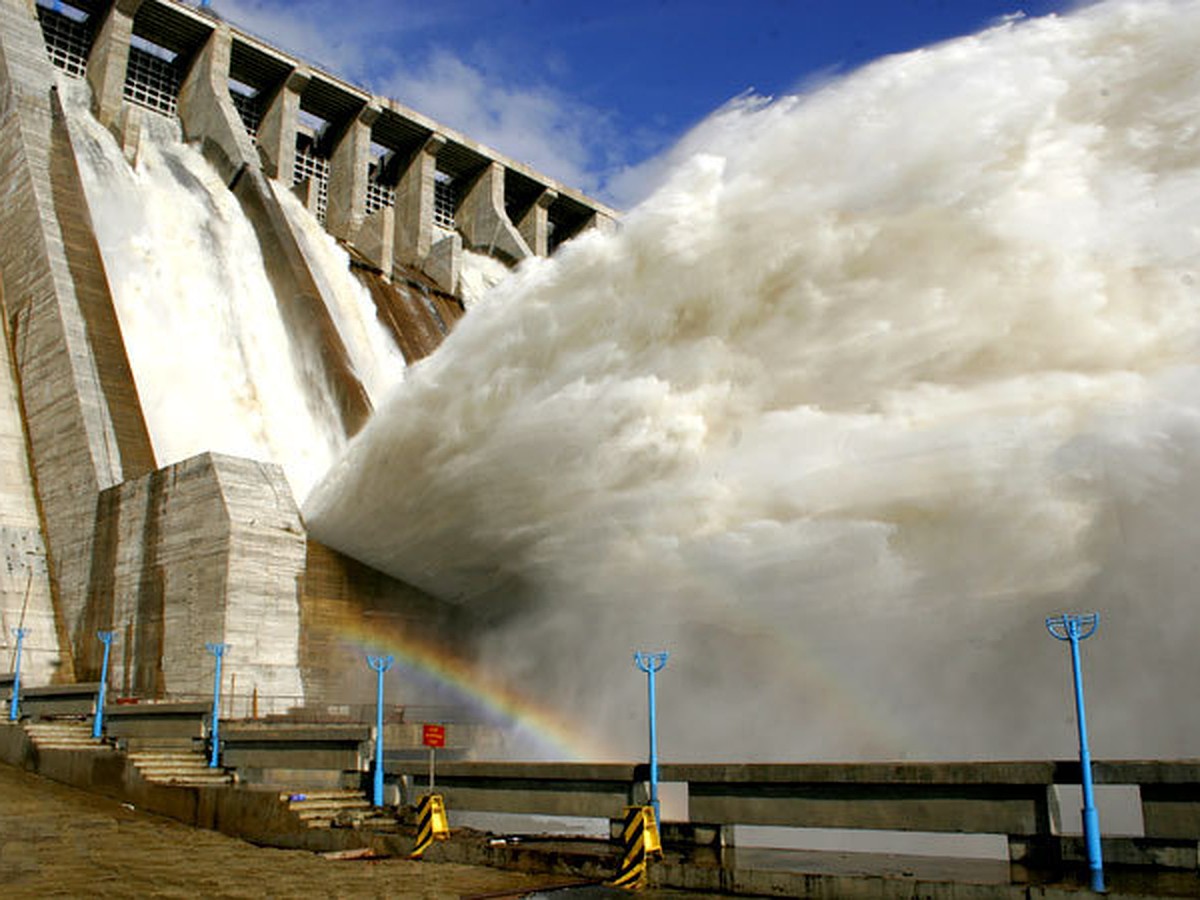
x,y
589,92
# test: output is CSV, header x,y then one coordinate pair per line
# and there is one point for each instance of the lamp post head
x,y
650,662
106,636
380,663
1073,626
217,650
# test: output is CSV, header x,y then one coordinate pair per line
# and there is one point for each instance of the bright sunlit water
x,y
214,366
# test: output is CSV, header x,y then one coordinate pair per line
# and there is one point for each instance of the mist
x,y
879,377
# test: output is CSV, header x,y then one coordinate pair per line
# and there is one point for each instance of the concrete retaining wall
x,y
255,815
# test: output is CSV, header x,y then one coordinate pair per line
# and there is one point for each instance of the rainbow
x,y
552,736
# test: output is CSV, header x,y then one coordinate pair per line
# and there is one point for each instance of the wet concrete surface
x,y
57,841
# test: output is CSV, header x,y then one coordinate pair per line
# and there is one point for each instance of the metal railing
x,y
252,705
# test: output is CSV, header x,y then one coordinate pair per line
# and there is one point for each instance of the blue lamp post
x,y
1076,627
651,663
380,664
218,651
98,721
14,709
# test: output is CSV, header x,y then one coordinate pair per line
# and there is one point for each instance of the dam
x,y
127,504
880,379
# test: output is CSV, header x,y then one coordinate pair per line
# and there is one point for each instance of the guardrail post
x,y
14,709
98,720
651,663
1073,628
380,664
218,651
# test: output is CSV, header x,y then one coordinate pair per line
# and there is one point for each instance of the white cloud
x,y
368,43
535,124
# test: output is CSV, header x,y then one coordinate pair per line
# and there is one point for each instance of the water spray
x,y
1076,627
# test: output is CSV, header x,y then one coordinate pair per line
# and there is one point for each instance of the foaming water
x,y
214,367
878,379
374,355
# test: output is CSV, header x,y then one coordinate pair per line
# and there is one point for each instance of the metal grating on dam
x,y
248,110
445,201
379,195
151,81
68,38
310,166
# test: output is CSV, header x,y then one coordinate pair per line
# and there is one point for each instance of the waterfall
x,y
213,364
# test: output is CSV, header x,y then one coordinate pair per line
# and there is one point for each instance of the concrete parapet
x,y
207,112
109,60
349,167
599,790
484,224
277,130
295,755
59,700
144,725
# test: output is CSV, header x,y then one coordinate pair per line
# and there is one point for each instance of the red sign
x,y
435,735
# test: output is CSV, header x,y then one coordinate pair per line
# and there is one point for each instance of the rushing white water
x,y
210,354
879,378
373,353
478,275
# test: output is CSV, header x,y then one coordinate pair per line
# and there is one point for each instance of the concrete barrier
x,y
59,700
138,726
599,790
296,756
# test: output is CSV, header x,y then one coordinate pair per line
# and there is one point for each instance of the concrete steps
x,y
337,809
180,768
63,735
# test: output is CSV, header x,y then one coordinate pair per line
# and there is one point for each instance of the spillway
x,y
880,377
211,357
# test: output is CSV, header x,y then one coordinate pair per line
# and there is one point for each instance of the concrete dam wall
x,y
148,486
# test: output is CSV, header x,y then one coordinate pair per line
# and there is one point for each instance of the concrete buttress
x,y
207,111
484,224
81,409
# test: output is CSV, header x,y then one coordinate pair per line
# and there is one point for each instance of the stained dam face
x,y
877,380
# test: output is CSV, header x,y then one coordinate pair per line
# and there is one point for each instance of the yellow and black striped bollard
x,y
640,839
432,824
